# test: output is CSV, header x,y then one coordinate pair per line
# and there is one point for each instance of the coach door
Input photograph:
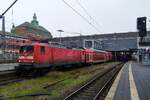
x,y
89,57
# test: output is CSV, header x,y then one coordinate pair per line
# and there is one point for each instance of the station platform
x,y
10,66
132,83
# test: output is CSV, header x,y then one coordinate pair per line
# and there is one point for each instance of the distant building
x,y
9,46
32,31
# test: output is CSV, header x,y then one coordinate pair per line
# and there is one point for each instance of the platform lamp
x,y
60,35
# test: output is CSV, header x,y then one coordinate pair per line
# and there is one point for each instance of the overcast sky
x,y
112,15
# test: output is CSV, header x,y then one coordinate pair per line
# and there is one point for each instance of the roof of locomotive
x,y
54,45
40,44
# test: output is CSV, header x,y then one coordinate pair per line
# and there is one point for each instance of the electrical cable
x,y
81,16
8,8
87,12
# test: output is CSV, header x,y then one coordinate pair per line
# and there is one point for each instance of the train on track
x,y
38,57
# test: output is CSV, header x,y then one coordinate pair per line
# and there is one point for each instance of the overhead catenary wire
x,y
82,16
87,12
8,8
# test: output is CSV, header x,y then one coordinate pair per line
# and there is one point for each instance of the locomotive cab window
x,y
26,49
42,49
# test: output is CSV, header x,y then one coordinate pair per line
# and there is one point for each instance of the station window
x,y
42,49
88,44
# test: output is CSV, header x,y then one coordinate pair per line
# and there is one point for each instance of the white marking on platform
x,y
113,89
133,90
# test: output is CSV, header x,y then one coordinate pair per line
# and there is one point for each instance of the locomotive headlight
x,y
21,57
30,57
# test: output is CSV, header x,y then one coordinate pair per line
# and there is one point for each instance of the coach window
x,y
42,49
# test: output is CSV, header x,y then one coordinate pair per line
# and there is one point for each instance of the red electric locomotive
x,y
38,56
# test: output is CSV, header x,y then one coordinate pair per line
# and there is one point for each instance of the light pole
x,y
60,35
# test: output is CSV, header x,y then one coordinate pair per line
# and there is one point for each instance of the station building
x,y
109,42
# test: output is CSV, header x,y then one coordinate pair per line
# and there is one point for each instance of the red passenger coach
x,y
110,56
99,56
88,56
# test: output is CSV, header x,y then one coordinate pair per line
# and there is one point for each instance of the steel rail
x,y
7,72
9,76
100,75
106,85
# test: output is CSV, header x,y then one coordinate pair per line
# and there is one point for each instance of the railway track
x,y
8,76
7,72
96,89
10,80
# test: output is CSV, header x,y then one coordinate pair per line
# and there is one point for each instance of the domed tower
x,y
32,30
34,22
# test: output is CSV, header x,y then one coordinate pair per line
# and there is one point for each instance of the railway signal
x,y
141,26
